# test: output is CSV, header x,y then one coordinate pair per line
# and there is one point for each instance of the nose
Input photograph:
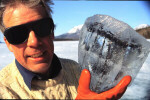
x,y
33,40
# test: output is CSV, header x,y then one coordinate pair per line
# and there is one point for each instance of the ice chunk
x,y
110,49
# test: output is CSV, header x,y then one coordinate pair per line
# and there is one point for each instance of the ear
x,y
8,45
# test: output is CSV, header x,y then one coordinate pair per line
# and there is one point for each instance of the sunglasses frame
x,y
36,26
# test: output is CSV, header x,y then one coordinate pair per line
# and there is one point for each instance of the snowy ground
x,y
139,90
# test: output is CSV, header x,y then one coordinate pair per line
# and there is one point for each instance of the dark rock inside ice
x,y
110,49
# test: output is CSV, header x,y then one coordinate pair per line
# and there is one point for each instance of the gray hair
x,y
30,3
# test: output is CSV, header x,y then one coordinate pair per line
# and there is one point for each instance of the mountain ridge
x,y
73,34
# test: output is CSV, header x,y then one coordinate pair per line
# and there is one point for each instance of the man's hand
x,y
115,93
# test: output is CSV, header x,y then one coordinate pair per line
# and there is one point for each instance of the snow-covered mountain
x,y
75,29
141,26
71,34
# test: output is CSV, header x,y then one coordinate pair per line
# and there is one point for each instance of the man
x,y
36,72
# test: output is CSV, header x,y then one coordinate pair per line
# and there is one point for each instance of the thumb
x,y
84,82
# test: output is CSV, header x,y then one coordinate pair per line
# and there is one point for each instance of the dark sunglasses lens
x,y
16,35
43,28
19,34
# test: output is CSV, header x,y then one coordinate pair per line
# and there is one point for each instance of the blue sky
x,y
67,14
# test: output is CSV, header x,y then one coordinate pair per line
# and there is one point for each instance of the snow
x,y
139,90
75,29
66,49
141,26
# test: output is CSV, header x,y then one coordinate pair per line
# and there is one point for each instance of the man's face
x,y
36,53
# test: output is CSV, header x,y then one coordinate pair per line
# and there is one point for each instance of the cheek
x,y
19,53
19,56
48,41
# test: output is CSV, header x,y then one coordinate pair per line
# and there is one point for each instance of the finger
x,y
123,83
119,95
119,89
84,81
122,86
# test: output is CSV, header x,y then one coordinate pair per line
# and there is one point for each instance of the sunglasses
x,y
19,34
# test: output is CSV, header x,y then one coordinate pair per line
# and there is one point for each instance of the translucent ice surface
x,y
110,49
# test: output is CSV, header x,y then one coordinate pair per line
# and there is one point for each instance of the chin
x,y
42,68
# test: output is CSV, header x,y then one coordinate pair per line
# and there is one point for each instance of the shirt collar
x,y
28,75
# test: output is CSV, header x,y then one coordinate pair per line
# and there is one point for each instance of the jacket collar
x,y
28,76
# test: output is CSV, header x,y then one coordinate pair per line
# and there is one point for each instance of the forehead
x,y
22,14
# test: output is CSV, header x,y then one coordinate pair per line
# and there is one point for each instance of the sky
x,y
68,14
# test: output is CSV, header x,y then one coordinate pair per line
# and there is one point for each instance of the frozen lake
x,y
139,90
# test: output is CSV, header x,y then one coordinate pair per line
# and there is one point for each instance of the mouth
x,y
37,55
